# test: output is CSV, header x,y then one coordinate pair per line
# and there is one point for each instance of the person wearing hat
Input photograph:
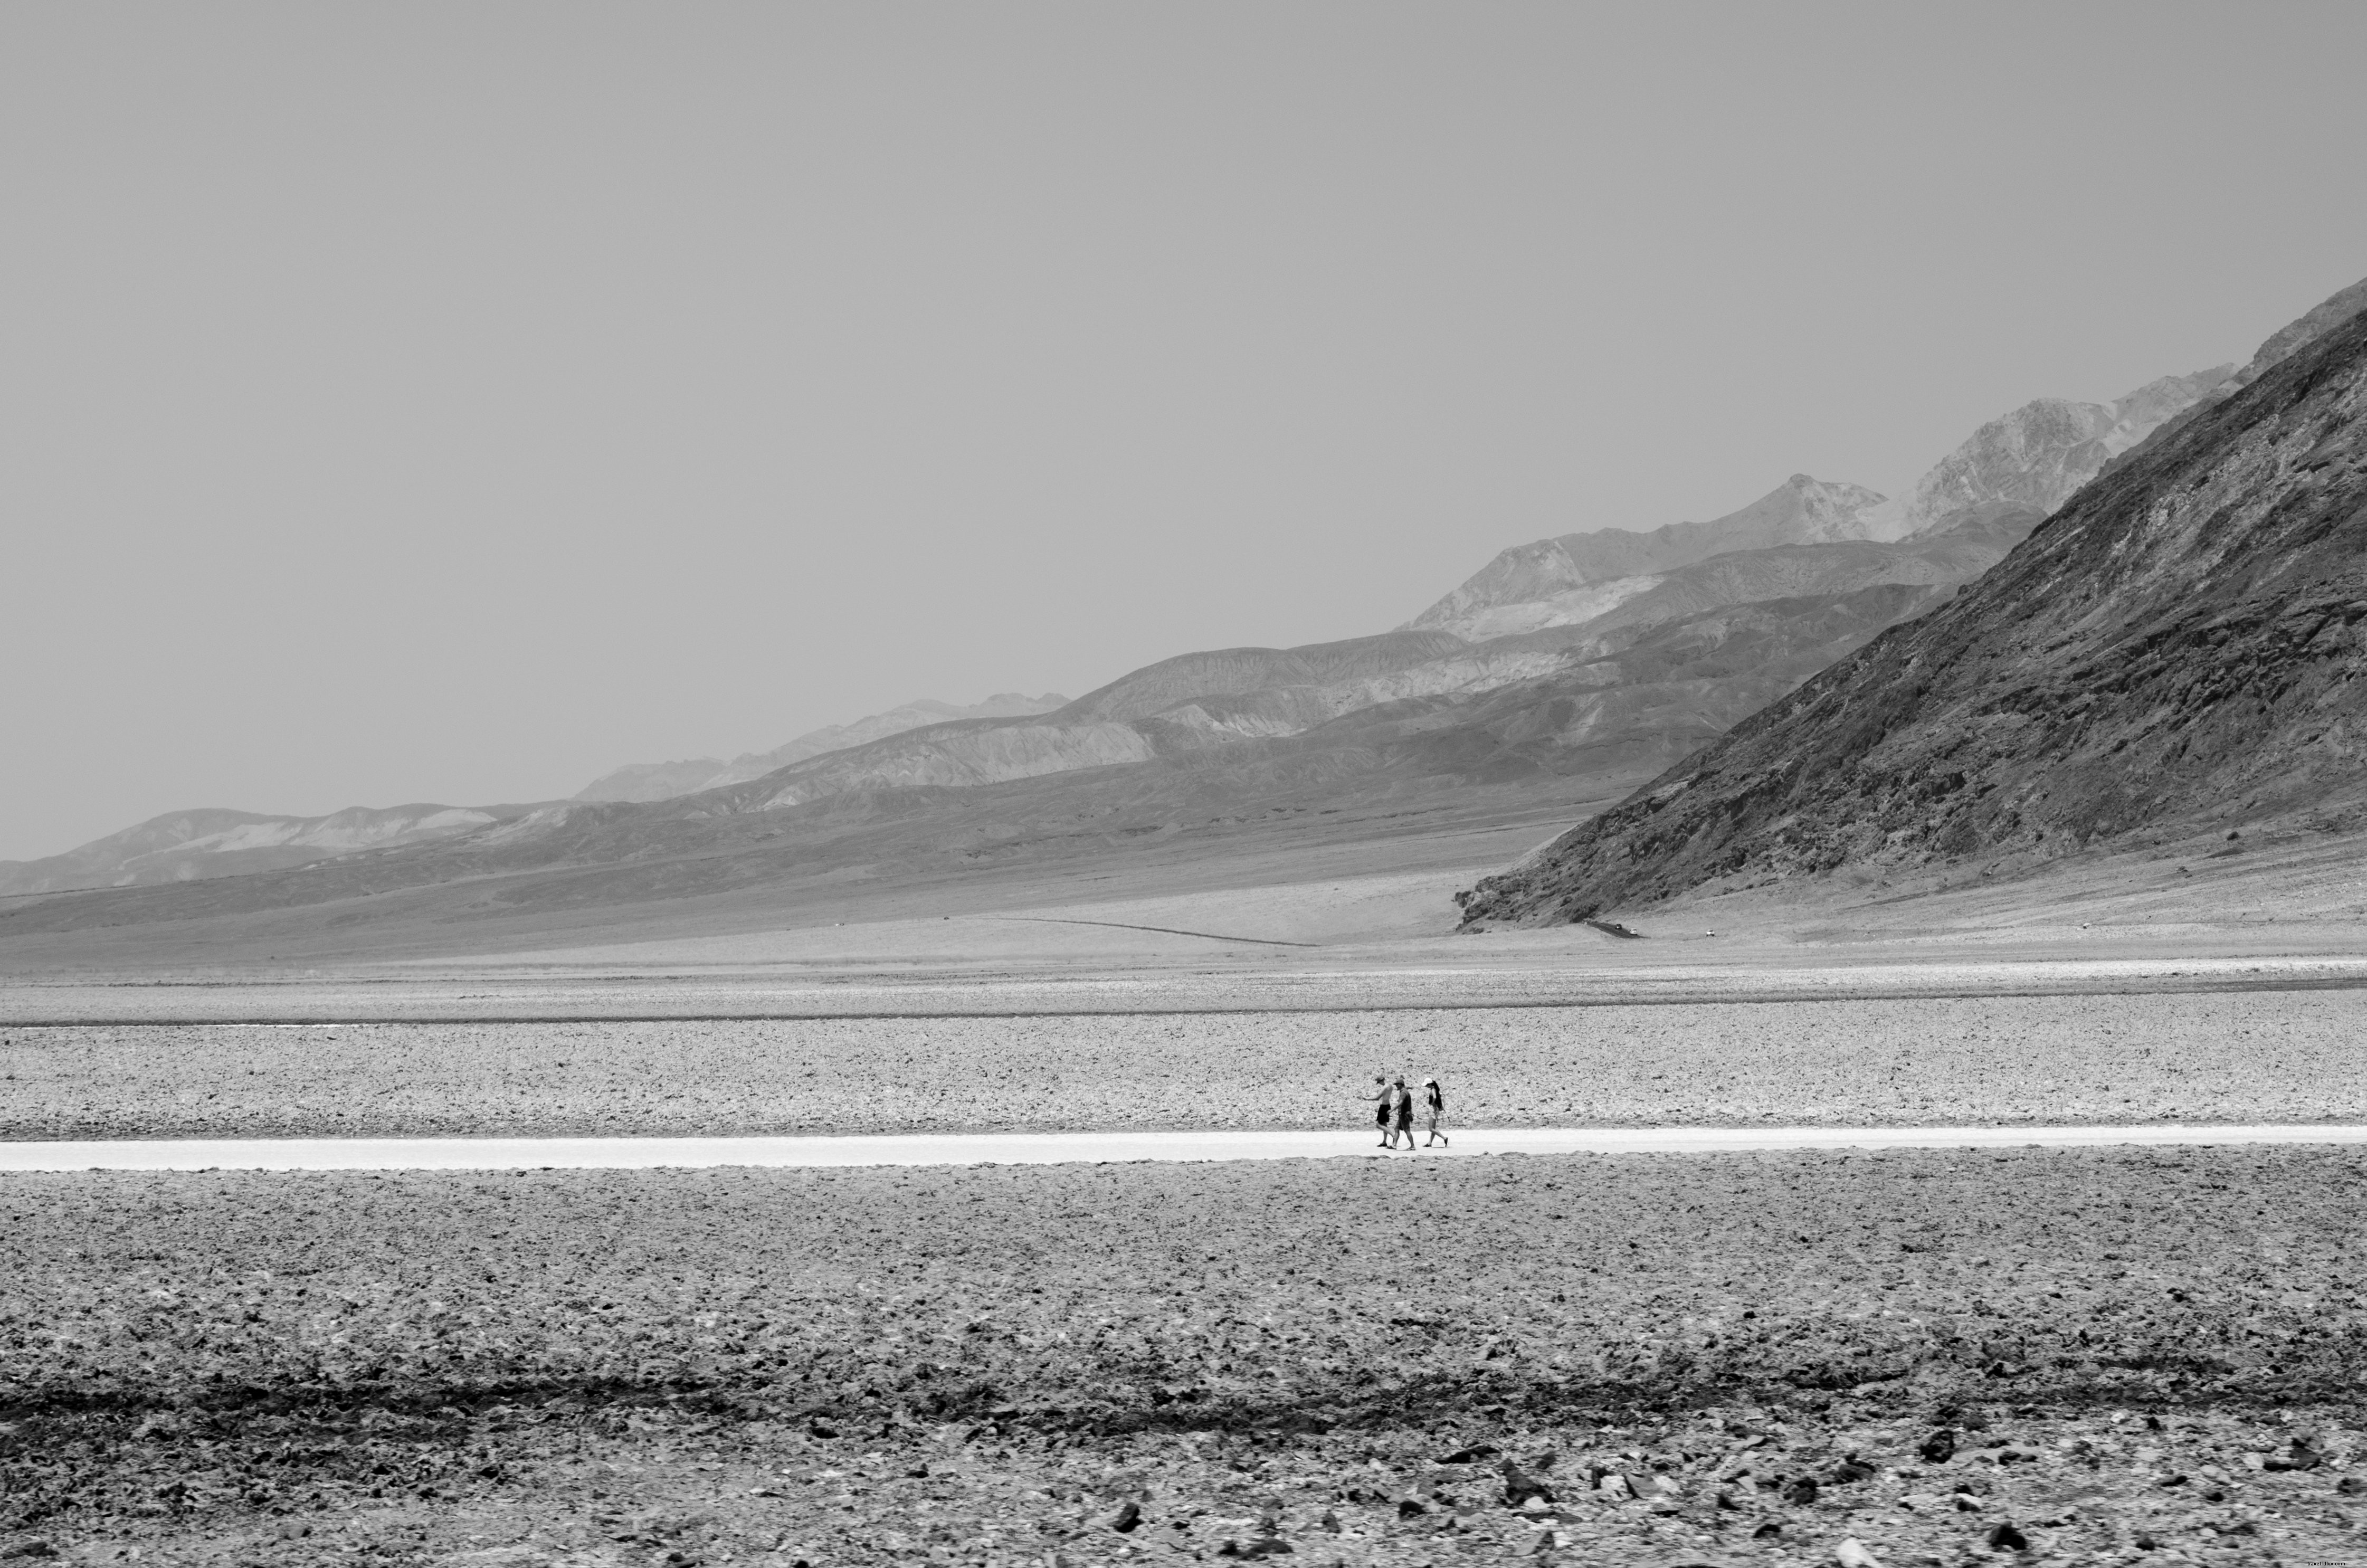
x,y
1437,1103
1405,1115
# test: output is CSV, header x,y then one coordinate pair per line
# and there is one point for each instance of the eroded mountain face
x,y
2183,645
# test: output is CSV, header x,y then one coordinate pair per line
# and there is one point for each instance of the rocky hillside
x,y
213,843
2182,650
664,780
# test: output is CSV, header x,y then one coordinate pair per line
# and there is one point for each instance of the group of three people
x,y
1393,1110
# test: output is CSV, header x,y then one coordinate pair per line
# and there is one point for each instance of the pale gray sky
x,y
452,402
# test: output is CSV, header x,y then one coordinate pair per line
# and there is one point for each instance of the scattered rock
x,y
1939,1448
1520,1486
2301,1455
2005,1538
1473,1454
1127,1518
1852,1553
1801,1492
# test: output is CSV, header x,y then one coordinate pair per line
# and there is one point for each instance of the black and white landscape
x,y
1894,957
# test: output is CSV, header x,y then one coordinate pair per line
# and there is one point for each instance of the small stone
x,y
1852,1553
1801,1492
2005,1538
1939,1448
2351,1486
1520,1486
1767,1530
1127,1518
2145,1542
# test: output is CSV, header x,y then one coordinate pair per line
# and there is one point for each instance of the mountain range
x,y
2178,656
1573,667
664,780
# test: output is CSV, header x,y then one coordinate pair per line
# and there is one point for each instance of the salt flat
x,y
1077,1148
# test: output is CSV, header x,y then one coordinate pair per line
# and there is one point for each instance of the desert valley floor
x,y
1941,1356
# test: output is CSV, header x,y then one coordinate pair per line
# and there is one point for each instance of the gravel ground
x,y
2289,1056
2108,1354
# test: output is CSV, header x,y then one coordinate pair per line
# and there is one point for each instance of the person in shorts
x,y
1405,1114
1434,1103
1383,1111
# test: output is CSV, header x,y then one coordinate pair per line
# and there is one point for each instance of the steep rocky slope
x,y
180,845
664,780
2180,650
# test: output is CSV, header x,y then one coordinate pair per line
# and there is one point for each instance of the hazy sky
x,y
452,402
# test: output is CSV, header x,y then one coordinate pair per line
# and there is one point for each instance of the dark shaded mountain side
x,y
2180,650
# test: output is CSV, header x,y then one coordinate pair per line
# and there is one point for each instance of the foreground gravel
x,y
2110,1355
2261,1057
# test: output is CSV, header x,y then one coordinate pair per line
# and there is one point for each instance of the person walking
x,y
1382,1110
1405,1114
1436,1102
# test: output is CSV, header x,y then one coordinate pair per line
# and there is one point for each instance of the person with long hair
x,y
1436,1104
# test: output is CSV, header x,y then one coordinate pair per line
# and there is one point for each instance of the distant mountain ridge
x,y
1574,577
214,842
664,780
2030,460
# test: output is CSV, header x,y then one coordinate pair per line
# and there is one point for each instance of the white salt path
x,y
1072,1147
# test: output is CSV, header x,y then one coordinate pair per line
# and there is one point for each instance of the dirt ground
x,y
2108,1356
2270,1056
